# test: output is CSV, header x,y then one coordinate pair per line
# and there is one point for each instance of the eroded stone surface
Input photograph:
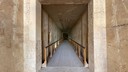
x,y
11,36
97,36
117,35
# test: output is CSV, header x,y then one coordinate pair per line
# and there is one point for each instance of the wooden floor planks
x,y
64,69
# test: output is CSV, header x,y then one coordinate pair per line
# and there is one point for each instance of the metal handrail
x,y
77,43
52,43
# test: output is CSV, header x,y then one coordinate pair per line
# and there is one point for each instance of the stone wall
x,y
11,36
38,36
76,32
6,22
50,31
79,32
54,31
32,36
117,35
97,43
90,36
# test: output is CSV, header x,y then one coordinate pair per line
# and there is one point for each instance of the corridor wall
x,y
50,31
79,32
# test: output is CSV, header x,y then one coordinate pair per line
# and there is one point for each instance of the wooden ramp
x,y
64,69
65,56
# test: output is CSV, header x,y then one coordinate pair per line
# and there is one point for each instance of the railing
x,y
49,50
80,50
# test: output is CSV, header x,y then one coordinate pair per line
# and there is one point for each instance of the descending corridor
x,y
60,22
65,56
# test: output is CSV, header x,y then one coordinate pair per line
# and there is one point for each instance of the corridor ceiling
x,y
65,15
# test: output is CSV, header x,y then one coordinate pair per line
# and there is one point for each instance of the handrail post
x,y
74,43
45,58
54,47
84,56
50,51
58,43
79,51
76,47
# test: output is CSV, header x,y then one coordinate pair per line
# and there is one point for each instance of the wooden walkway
x,y
64,69
65,56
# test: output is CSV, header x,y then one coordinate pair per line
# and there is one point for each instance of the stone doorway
x,y
96,41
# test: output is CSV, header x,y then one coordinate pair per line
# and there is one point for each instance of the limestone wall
x,y
97,44
55,33
90,36
79,31
11,36
76,32
6,11
38,36
117,35
50,32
